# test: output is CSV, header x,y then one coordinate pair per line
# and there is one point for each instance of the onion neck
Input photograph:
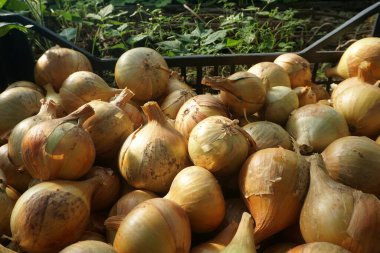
x,y
153,112
49,108
123,98
364,72
332,72
219,83
81,114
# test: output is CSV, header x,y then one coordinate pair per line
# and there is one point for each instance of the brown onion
x,y
89,246
51,94
135,114
305,96
89,235
297,67
57,63
6,250
6,207
271,74
173,102
378,140
320,91
26,84
318,247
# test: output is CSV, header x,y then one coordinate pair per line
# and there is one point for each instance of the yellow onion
x,y
378,140
219,242
56,64
354,161
17,104
305,95
271,74
363,50
248,119
279,248
267,134
51,215
243,241
315,126
195,110
156,225
318,247
219,145
359,104
47,112
136,115
243,92
320,91
153,154
51,94
339,214
198,192
6,207
109,126
89,246
82,87
10,174
144,71
89,235
297,67
280,102
273,183
25,84
173,102
175,82
59,148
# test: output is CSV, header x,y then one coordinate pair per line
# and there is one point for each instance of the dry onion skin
x,y
354,161
271,74
242,92
297,67
144,71
51,94
59,148
156,225
89,235
17,104
176,82
198,192
363,50
273,183
339,214
318,247
25,84
320,91
6,207
82,87
305,95
153,154
173,102
197,109
267,134
57,63
89,246
315,126
219,145
51,215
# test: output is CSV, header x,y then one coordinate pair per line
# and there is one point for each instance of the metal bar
x,y
376,27
315,69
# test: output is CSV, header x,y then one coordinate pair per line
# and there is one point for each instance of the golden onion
x,y
271,74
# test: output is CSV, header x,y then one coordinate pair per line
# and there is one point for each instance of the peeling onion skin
x,y
89,246
318,247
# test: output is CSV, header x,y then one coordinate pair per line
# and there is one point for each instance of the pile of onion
x,y
306,96
26,84
173,102
297,67
89,246
6,207
271,74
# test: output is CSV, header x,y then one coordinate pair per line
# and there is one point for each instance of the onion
x,y
156,225
320,91
144,71
339,214
17,104
274,183
56,64
271,74
279,248
109,126
318,247
51,215
89,235
152,155
297,67
176,83
51,94
195,110
363,50
25,84
198,193
354,161
219,145
267,134
242,92
235,207
280,102
315,126
378,140
305,95
47,112
173,102
89,246
136,115
6,207
248,119
59,148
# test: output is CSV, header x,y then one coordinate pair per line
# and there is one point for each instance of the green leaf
x,y
94,16
233,43
2,2
69,33
106,11
16,6
6,27
162,3
67,16
118,46
123,27
215,36
170,44
134,39
122,2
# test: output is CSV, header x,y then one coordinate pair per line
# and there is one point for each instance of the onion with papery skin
x,y
153,154
305,96
273,183
26,84
89,246
173,102
243,92
89,235
271,74
297,67
320,91
144,71
315,126
354,161
176,83
267,134
198,192
136,115
82,87
378,140
17,104
280,102
339,214
51,215
363,50
249,119
57,63
156,225
6,250
59,148
6,207
197,109
279,248
51,94
318,247
220,145
47,112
